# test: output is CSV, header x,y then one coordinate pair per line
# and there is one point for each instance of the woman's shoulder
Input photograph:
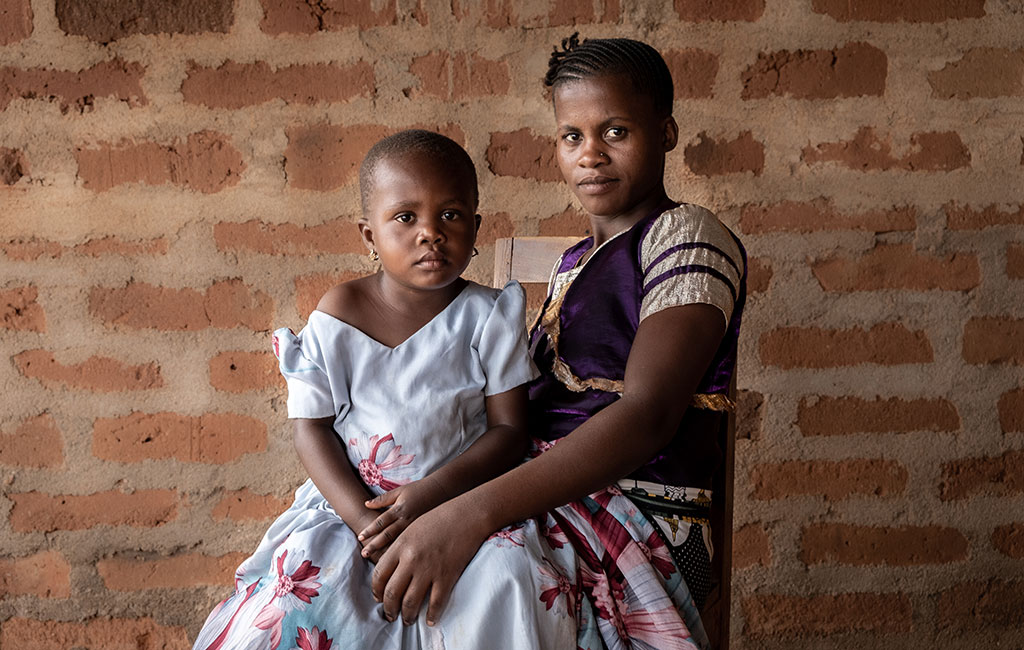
x,y
688,225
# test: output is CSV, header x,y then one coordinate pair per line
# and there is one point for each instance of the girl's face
x,y
612,145
421,219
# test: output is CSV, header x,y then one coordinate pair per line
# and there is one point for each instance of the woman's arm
x,y
325,460
500,447
670,353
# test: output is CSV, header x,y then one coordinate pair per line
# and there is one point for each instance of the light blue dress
x,y
401,413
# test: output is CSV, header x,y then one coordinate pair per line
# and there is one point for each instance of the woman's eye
x,y
615,132
405,217
572,138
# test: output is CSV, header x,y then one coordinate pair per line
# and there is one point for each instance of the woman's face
x,y
611,145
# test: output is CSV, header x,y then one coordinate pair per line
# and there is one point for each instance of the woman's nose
x,y
592,154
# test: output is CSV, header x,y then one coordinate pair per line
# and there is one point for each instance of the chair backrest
x,y
530,259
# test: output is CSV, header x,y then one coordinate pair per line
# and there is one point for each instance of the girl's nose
x,y
431,232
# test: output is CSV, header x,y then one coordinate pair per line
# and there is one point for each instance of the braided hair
x,y
444,150
637,61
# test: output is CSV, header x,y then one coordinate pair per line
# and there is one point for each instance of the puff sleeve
x,y
301,361
502,347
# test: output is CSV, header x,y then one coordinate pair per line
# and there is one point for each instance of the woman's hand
x,y
426,560
401,506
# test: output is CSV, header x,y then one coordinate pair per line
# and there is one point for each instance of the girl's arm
x,y
499,448
670,353
325,460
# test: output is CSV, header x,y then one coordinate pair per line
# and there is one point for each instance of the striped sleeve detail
x,y
688,256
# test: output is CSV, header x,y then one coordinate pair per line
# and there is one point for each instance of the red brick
x,y
570,222
523,154
225,304
821,215
15,20
998,476
994,340
301,17
46,513
96,374
244,505
115,78
981,605
494,226
833,480
108,20
884,344
205,162
1011,411
751,546
967,218
334,237
497,14
236,85
759,275
693,72
699,11
1015,261
325,157
34,248
36,442
20,311
1009,540
711,157
177,572
898,266
46,575
209,438
837,416
775,616
94,634
238,371
891,11
980,72
749,405
854,70
309,289
459,75
929,151
580,12
829,543
13,166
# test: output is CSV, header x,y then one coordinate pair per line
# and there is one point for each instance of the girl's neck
x,y
606,227
414,304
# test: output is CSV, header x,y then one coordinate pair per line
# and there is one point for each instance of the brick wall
x,y
177,179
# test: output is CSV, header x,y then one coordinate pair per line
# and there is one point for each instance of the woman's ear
x,y
671,134
477,217
366,234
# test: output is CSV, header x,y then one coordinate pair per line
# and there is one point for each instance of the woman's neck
x,y
606,227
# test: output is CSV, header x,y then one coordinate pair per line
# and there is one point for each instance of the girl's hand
x,y
401,507
426,561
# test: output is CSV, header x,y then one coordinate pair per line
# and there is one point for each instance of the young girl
x,y
636,346
407,386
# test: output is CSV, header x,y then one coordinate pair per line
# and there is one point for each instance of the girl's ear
x,y
366,233
671,134
477,217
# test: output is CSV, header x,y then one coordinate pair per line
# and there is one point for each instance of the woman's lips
x,y
596,184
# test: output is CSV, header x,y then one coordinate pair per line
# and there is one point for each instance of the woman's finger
x,y
386,566
394,591
439,593
383,500
413,599
378,525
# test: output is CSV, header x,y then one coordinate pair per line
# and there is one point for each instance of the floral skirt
x,y
593,574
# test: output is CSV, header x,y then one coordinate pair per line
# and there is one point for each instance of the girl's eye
x,y
450,215
404,217
615,132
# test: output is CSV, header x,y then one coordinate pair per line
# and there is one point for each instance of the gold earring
x,y
475,252
374,256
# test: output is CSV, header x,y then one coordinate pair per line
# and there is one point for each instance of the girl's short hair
x,y
639,62
448,154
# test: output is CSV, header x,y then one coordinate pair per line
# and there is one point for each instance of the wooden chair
x,y
530,259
